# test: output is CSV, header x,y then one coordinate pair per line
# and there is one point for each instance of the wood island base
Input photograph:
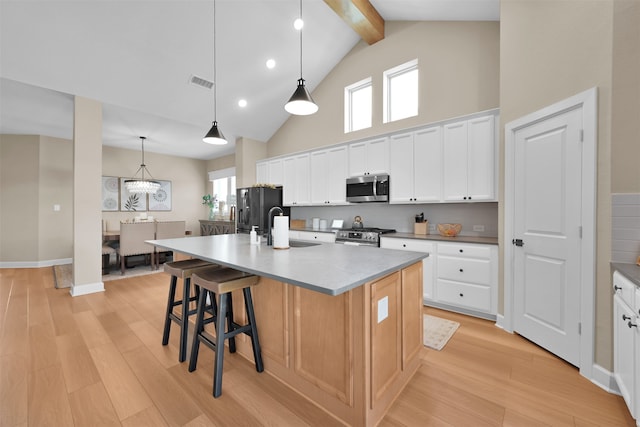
x,y
351,354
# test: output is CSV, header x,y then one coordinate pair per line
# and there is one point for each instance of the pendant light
x,y
301,103
142,185
214,136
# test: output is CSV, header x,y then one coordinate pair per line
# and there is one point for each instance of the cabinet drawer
x,y
464,295
465,250
319,237
407,245
464,269
626,289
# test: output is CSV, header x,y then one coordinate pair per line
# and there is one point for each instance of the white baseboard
x,y
88,288
35,264
604,379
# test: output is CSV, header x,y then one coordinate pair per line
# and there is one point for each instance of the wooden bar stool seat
x,y
183,270
218,285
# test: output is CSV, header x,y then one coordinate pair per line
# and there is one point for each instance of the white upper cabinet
x,y
469,151
328,176
296,180
415,166
369,157
270,172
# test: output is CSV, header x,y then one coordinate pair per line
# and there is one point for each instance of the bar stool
x,y
221,282
181,269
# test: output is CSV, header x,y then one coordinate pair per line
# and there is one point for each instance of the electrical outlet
x,y
432,228
478,228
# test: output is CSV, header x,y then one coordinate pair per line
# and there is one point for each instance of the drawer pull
x,y
404,245
617,288
631,325
461,251
625,318
461,270
461,294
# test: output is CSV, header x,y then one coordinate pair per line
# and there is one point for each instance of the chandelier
x,y
142,185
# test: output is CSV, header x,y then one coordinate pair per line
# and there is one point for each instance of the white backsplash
x,y
625,227
402,217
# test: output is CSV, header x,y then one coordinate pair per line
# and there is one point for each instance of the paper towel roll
x,y
281,232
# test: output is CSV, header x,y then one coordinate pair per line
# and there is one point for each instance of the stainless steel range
x,y
361,236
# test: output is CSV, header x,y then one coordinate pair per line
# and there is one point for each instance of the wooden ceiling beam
x,y
361,16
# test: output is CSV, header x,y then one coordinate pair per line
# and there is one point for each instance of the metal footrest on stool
x,y
183,270
218,285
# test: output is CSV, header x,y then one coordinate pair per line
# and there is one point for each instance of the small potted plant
x,y
212,202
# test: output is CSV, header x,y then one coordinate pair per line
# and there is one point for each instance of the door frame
x,y
586,100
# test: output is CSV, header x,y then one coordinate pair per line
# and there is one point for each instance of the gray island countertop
x,y
328,268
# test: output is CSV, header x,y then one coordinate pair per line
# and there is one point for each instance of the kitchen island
x,y
340,324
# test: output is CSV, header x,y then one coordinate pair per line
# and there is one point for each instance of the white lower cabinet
x,y
457,276
312,236
467,278
416,245
626,341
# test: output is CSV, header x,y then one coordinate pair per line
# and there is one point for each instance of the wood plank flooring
x,y
98,360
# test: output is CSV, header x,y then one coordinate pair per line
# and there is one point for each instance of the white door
x,y
547,215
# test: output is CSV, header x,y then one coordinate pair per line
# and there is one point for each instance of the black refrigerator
x,y
253,207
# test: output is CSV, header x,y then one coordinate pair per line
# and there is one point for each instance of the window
x,y
224,188
400,92
357,106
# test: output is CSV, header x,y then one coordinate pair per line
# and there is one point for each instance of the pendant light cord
x,y
142,166
301,39
215,80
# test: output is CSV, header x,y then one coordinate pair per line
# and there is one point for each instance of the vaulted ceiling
x,y
138,58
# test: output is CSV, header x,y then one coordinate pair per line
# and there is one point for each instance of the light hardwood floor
x,y
98,360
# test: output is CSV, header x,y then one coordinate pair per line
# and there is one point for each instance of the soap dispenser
x,y
253,236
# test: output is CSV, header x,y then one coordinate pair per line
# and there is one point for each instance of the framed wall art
x,y
161,199
131,202
110,193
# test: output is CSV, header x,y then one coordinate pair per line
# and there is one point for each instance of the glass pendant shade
x,y
142,185
214,136
301,103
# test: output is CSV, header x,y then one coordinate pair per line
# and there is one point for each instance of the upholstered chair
x,y
132,241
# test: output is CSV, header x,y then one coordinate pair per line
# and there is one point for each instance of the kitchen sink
x,y
301,244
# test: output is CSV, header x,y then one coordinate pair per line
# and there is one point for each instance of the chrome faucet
x,y
269,236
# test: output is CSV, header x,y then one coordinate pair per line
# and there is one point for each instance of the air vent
x,y
199,81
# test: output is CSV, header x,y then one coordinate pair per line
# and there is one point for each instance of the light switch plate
x,y
56,208
383,309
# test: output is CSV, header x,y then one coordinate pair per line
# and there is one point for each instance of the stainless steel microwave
x,y
368,188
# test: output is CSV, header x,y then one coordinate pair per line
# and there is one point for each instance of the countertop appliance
x,y
253,207
361,236
368,188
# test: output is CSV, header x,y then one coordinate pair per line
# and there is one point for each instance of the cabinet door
x,y
455,161
357,158
401,171
303,187
262,173
319,177
289,187
427,169
378,156
623,351
481,159
337,162
411,312
276,172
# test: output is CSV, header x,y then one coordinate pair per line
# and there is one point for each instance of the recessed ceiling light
x,y
271,63
242,103
298,24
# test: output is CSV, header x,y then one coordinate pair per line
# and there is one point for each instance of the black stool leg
x,y
220,337
230,327
255,343
184,326
195,346
167,319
